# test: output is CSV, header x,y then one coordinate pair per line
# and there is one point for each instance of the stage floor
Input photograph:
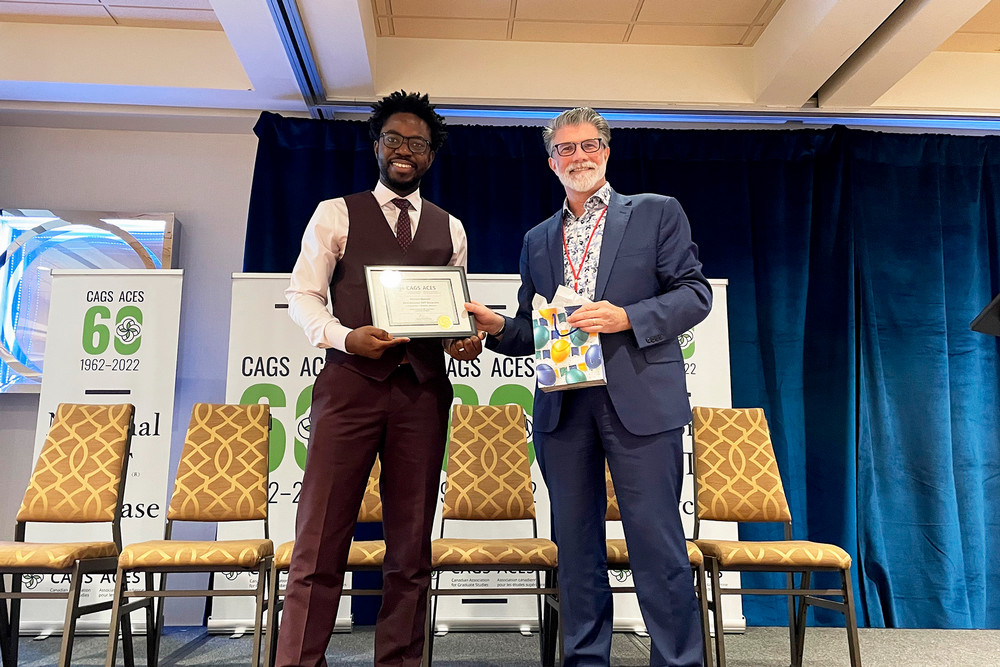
x,y
759,647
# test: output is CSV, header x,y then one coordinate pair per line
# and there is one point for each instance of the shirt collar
x,y
384,197
600,198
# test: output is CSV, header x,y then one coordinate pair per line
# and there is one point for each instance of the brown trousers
x,y
353,418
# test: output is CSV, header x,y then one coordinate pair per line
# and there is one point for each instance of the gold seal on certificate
x,y
420,301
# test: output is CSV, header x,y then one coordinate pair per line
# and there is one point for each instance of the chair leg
x,y
5,629
152,636
263,568
116,620
542,637
706,634
549,624
720,642
15,618
69,623
128,642
799,637
851,621
157,633
429,626
273,607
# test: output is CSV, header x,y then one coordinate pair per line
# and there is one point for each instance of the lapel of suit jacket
x,y
554,241
619,210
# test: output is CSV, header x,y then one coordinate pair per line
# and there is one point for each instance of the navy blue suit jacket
x,y
649,266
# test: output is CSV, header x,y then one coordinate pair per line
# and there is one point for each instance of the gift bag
x,y
565,357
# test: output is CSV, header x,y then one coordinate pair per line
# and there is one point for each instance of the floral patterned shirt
x,y
579,262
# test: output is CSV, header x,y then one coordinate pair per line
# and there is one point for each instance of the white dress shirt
x,y
324,243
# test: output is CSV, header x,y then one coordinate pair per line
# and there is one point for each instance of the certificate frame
x,y
420,301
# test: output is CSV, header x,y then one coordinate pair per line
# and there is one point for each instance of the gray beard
x,y
583,181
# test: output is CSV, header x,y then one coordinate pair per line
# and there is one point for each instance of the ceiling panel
x,y
974,42
480,9
704,12
35,12
987,20
545,31
980,34
708,22
450,28
50,2
620,11
153,17
161,4
688,35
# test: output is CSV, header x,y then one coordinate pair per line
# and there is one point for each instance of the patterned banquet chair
x,y
222,476
79,478
489,480
737,479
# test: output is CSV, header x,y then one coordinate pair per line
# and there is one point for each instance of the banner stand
x,y
112,338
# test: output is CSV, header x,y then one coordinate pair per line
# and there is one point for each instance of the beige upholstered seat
x,y
180,554
364,556
737,479
514,552
489,479
48,556
618,555
222,476
734,555
618,560
78,478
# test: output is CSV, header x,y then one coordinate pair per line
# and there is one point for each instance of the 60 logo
x,y
127,330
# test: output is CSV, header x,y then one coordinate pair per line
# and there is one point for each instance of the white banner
x,y
112,338
270,359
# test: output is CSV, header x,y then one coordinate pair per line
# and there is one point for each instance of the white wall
x,y
205,180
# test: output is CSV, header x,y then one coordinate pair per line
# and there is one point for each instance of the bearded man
x,y
633,257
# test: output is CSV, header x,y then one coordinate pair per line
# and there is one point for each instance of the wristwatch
x,y
502,327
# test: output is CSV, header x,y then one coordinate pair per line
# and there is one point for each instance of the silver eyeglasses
x,y
418,145
567,148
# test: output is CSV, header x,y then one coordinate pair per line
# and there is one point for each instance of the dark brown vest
x,y
370,241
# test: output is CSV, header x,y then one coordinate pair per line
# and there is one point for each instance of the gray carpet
x,y
759,647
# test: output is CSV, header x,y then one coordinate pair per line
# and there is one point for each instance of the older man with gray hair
x,y
633,257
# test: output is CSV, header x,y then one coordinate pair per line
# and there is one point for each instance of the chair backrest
x,y
736,474
489,477
222,474
78,475
613,513
371,504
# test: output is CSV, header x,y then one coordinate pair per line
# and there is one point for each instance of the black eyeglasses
x,y
567,148
418,145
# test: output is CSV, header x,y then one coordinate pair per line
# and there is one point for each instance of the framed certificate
x,y
420,301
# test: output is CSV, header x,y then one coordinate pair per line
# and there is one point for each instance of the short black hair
x,y
403,102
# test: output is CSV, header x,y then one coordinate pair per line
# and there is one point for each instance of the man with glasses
x,y
375,395
633,257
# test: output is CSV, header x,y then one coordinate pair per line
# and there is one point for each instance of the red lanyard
x,y
577,270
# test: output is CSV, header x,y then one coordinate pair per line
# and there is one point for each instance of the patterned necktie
x,y
403,224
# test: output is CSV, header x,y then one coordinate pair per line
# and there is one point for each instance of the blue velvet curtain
x,y
855,260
